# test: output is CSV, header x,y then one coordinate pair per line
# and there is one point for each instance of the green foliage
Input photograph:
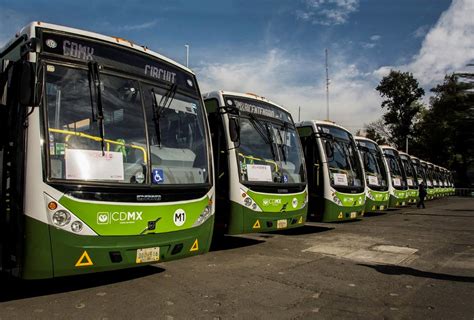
x,y
401,93
444,135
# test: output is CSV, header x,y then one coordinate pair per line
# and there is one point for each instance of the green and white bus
x,y
335,174
412,180
376,177
429,180
420,172
107,159
397,183
260,172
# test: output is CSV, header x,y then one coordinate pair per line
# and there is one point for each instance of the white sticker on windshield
x,y
92,165
410,182
429,183
259,172
373,180
340,179
420,181
397,182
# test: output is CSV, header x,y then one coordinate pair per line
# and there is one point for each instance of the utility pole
x,y
299,114
406,145
327,86
187,55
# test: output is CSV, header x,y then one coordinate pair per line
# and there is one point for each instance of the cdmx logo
x,y
122,217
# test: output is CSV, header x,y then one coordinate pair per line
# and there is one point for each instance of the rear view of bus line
x,y
114,166
335,174
260,171
376,176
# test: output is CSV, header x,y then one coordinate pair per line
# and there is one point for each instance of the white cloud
x,y
375,37
10,23
420,32
277,76
140,26
447,47
328,12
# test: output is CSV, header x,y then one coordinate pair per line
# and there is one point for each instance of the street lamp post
x,y
187,55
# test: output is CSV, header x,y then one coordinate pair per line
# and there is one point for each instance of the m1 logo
x,y
179,217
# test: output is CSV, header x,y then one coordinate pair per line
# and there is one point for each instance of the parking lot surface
x,y
400,264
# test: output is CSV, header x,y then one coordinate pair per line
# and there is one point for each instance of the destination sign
x,y
125,59
258,108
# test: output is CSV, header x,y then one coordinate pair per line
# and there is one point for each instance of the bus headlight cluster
x,y
336,199
205,214
61,218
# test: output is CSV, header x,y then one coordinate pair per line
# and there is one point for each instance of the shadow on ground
x,y
376,213
232,242
306,229
401,270
15,289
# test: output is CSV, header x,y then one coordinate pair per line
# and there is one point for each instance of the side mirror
x,y
234,129
329,149
26,82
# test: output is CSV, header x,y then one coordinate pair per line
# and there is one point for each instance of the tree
x,y
377,131
445,133
401,92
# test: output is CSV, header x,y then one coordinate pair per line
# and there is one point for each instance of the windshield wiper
x,y
96,92
261,128
283,145
160,107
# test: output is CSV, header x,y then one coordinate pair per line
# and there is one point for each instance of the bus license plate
x,y
353,215
148,255
283,223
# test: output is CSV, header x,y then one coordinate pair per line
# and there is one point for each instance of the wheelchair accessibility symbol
x,y
158,176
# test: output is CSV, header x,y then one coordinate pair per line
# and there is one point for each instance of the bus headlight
x,y
76,226
248,201
337,200
205,214
61,218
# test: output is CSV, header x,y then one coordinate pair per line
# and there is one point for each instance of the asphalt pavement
x,y
400,264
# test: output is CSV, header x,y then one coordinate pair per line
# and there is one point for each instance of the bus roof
x,y
215,94
30,31
313,123
384,146
365,139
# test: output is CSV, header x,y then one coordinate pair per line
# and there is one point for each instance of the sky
x,y
276,48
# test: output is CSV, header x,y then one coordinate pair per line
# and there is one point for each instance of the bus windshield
x,y
342,157
269,150
419,171
412,182
395,169
74,120
376,174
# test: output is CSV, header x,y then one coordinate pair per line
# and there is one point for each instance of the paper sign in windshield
x,y
340,179
428,182
397,182
420,181
410,182
373,180
92,165
259,173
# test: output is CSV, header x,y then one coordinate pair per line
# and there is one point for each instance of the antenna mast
x,y
327,86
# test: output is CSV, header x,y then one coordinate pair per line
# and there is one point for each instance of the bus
x,y
397,183
429,180
335,174
107,159
420,172
412,179
260,171
376,177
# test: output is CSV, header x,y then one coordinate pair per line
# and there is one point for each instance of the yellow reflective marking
x,y
340,215
87,262
300,220
195,246
256,225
